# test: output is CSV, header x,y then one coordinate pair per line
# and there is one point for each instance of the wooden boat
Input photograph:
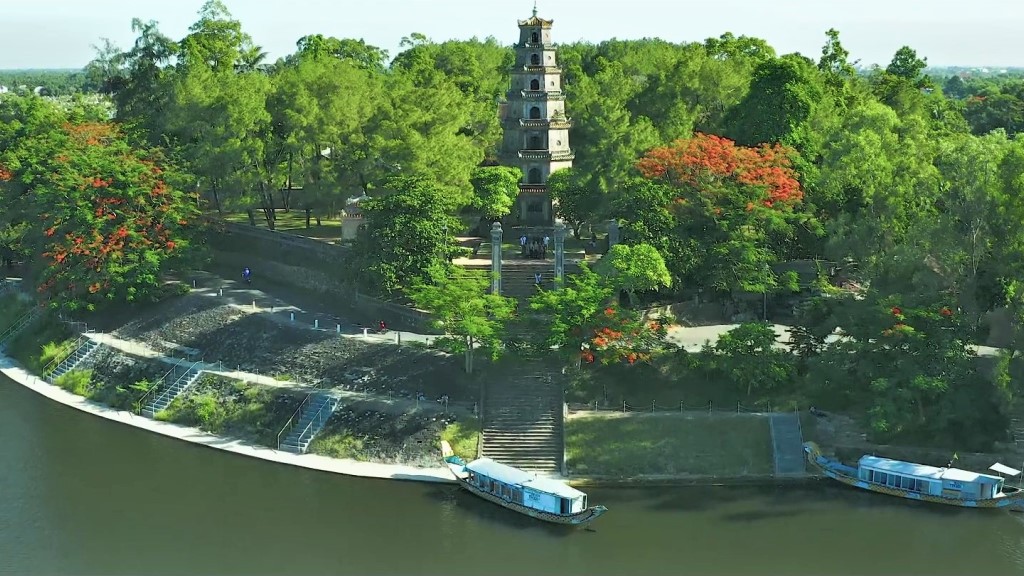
x,y
541,498
950,486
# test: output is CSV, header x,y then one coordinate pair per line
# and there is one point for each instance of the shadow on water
x,y
465,503
769,501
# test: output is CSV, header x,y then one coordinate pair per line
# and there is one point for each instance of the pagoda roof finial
x,y
535,7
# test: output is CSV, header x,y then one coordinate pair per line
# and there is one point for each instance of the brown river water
x,y
80,495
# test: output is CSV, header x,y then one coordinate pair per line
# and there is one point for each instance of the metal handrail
x,y
315,418
163,380
18,325
52,365
167,389
290,424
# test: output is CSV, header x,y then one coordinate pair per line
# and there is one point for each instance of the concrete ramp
x,y
787,444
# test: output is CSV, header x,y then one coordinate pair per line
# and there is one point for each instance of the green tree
x,y
634,268
407,234
567,311
784,94
576,204
463,307
749,358
497,188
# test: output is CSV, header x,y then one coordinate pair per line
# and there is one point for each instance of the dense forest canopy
x,y
720,158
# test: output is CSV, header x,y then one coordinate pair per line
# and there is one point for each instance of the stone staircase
x,y
787,443
308,420
80,357
178,379
523,424
517,276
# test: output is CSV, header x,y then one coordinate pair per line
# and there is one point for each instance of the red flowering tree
x,y
720,214
705,160
108,220
582,321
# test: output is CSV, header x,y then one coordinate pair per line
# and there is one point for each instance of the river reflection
x,y
81,495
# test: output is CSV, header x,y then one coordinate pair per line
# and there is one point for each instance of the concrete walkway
x,y
387,404
12,370
247,298
692,338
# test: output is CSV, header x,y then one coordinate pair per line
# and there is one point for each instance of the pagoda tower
x,y
536,130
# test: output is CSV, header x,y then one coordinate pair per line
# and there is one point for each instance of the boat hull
x,y
835,471
457,468
579,519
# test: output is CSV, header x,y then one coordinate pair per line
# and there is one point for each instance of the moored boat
x,y
947,485
541,498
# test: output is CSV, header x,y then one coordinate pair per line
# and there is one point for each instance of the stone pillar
x,y
496,238
613,233
559,254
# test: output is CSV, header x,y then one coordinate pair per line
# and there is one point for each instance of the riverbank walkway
x,y
11,369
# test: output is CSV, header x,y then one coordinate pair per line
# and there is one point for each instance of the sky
x,y
61,33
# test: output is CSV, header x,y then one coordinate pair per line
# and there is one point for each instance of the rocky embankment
x,y
365,428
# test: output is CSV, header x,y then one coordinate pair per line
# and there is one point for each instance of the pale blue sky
x,y
60,33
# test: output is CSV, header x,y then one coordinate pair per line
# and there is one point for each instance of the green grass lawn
x,y
294,222
668,445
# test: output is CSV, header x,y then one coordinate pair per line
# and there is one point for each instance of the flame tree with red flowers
x,y
107,219
719,213
583,321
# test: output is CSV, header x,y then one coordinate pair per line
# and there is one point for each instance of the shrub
x,y
339,446
200,410
464,437
76,381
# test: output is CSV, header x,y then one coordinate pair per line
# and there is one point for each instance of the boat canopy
x,y
1003,469
553,487
922,471
497,471
516,477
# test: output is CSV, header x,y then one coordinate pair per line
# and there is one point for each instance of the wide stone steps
x,y
523,424
315,414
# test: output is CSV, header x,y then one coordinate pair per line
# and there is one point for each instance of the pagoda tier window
x,y
535,143
535,60
534,38
534,84
533,176
534,113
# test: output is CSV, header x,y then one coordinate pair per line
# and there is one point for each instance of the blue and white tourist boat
x,y
950,486
541,498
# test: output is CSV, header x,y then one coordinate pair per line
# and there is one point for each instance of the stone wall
x,y
311,266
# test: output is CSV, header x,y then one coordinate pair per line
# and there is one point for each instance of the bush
x,y
464,437
336,446
76,381
40,343
200,410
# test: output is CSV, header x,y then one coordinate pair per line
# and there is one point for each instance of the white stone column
x,y
559,254
496,238
613,233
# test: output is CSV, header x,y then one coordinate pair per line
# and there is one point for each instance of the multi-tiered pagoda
x,y
536,130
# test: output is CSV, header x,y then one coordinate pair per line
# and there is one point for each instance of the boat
x,y
950,486
520,491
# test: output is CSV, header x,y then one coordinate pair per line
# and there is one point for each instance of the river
x,y
81,495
